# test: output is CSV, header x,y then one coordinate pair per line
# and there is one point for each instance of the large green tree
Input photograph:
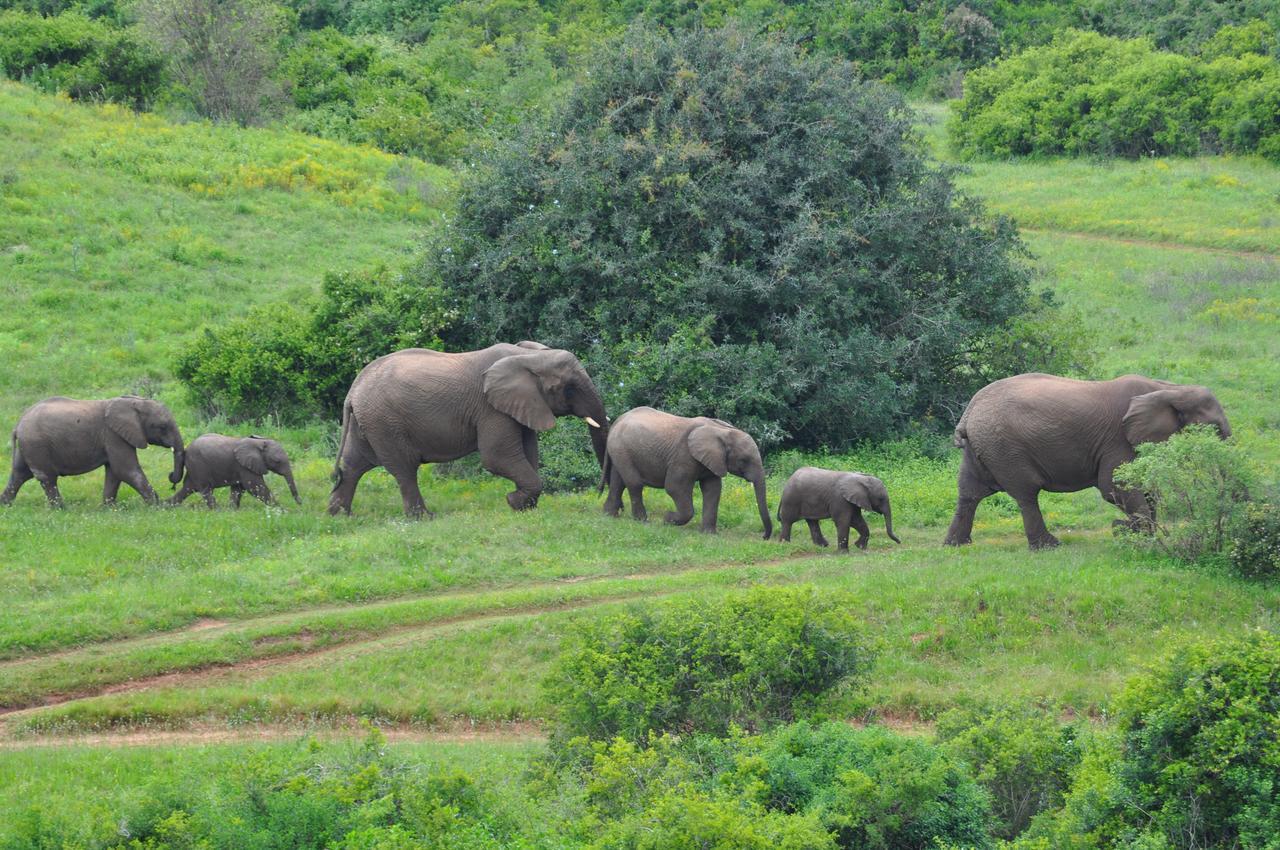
x,y
722,225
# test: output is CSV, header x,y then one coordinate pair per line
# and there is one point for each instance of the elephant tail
x,y
347,421
605,469
961,437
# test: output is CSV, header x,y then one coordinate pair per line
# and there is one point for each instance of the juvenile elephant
x,y
813,494
420,406
240,463
65,436
1040,432
650,448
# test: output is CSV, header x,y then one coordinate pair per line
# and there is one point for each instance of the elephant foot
x,y
521,501
957,541
711,530
1048,541
673,518
861,544
823,543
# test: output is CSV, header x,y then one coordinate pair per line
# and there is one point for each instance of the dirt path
x,y
1242,253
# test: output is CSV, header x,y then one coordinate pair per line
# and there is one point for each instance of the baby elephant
x,y
812,494
237,462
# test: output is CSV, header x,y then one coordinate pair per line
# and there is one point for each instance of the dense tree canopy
x,y
722,225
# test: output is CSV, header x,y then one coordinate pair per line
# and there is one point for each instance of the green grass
x,y
458,617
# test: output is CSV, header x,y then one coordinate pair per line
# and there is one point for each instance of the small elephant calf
x,y
812,494
237,462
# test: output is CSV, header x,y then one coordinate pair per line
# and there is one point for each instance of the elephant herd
x,y
1020,435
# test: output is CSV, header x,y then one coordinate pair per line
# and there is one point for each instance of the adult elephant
x,y
66,436
420,406
651,448
1041,432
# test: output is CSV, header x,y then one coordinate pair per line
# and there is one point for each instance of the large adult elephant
x,y
420,406
652,448
1041,432
66,436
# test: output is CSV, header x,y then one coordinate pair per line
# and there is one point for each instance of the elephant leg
x,y
50,485
680,490
710,503
406,475
864,532
786,519
110,487
1139,510
843,520
636,495
973,488
181,496
1038,536
211,503
19,474
124,464
503,454
613,502
259,489
357,458
815,533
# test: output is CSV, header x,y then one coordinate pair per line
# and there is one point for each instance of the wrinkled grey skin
x,y
240,463
812,494
650,448
1040,432
420,406
65,436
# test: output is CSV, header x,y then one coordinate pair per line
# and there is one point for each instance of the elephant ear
x,y
249,455
511,386
1151,418
854,491
707,445
124,419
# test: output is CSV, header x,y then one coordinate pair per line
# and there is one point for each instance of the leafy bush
x,y
719,225
1023,757
1195,759
1091,94
750,660
1255,547
1197,484
87,59
293,362
801,786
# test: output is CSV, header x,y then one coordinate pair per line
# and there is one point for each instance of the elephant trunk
x,y
179,462
888,523
287,474
591,408
763,505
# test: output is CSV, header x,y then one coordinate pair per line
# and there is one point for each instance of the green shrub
x,y
1023,757
1255,546
1194,761
750,660
716,223
800,786
1090,94
87,59
1198,486
292,362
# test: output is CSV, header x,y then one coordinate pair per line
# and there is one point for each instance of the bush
x,y
292,362
87,59
801,786
1197,484
1255,547
717,224
1091,94
1023,757
1195,759
749,660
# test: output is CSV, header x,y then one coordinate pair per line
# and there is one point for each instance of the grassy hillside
x,y
121,234
137,618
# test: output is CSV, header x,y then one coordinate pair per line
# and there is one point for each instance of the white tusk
x,y
591,422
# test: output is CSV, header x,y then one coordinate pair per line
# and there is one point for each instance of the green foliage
x,y
1255,546
1048,337
835,299
1184,26
291,362
749,660
1091,94
1198,486
87,59
1195,759
801,786
1023,757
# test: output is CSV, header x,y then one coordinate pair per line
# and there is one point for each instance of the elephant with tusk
x,y
1039,432
420,406
650,448
813,494
66,436
240,463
